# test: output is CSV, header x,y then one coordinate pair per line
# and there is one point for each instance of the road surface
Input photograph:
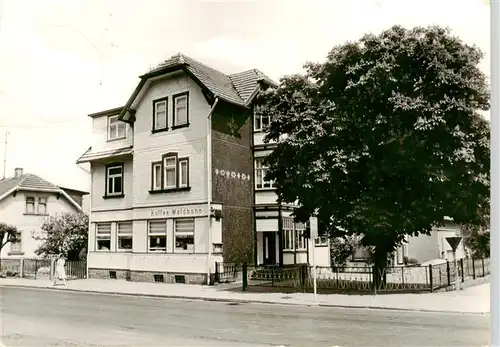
x,y
32,317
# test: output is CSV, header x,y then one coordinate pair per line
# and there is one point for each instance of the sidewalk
x,y
470,300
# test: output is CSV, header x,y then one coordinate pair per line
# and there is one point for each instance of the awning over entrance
x,y
90,155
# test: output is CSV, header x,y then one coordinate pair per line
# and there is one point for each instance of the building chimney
x,y
18,172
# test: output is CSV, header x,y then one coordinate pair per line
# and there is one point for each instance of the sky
x,y
64,59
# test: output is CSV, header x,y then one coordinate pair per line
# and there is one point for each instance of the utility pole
x,y
5,154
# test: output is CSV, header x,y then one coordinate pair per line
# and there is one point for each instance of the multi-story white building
x,y
163,207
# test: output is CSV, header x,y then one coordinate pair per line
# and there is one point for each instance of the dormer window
x,y
261,121
116,128
180,113
160,107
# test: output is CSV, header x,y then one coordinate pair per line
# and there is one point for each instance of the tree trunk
x,y
379,268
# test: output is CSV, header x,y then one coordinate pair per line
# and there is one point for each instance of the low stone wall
x,y
147,276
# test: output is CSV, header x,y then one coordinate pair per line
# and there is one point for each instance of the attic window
x,y
181,110
261,121
116,128
30,205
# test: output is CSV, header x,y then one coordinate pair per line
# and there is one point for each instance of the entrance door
x,y
269,249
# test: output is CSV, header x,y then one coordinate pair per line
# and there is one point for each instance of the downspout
x,y
89,238
209,188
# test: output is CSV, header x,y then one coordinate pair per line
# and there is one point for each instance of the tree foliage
x,y
342,248
65,233
476,237
8,234
385,138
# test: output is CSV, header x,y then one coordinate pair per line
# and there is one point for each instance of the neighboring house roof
x,y
90,155
31,182
237,88
74,191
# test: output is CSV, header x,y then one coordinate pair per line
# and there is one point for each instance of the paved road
x,y
32,317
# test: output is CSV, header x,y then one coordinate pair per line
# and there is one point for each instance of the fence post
x,y
36,267
21,267
462,268
244,271
482,263
52,266
430,278
473,268
403,276
448,277
216,273
374,280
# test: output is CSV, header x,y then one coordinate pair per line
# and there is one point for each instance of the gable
x,y
237,89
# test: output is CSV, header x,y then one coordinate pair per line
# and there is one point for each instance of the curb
x,y
238,301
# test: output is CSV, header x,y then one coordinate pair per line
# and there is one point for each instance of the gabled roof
x,y
237,88
30,182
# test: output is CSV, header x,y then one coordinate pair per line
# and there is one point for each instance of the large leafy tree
x,y
385,138
8,234
65,233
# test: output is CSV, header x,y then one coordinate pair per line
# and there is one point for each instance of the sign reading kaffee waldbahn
x,y
176,212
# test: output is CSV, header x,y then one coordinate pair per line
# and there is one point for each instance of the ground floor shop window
x,y
124,232
157,236
184,235
103,236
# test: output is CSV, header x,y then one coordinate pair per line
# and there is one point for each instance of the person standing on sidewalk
x,y
60,274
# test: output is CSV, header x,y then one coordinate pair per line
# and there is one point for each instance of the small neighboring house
x,y
25,200
424,248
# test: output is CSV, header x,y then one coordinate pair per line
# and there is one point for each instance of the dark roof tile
x,y
235,88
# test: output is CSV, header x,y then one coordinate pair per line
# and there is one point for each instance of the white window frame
x,y
260,173
162,234
183,161
185,232
113,176
177,107
124,230
17,247
154,173
117,129
288,235
321,241
42,201
157,114
30,201
102,232
165,168
300,240
257,120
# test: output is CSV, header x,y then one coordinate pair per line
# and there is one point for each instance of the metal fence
x,y
76,269
40,268
351,278
36,268
227,272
